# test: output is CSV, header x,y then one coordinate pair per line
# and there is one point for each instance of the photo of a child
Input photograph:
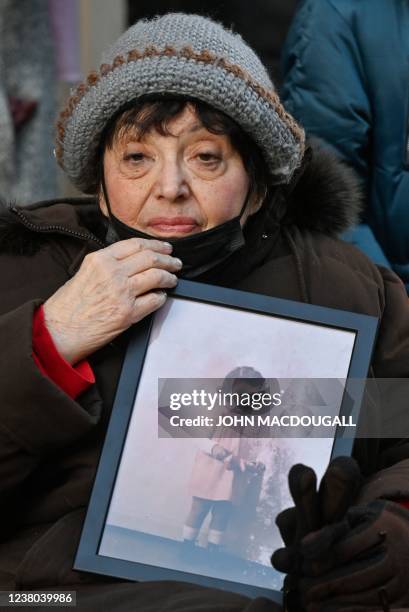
x,y
220,476
206,500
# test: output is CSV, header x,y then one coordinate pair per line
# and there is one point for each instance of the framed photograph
x,y
195,503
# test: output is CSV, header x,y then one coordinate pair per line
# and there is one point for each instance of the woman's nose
x,y
171,183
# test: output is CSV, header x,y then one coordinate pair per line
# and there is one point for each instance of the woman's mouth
x,y
173,225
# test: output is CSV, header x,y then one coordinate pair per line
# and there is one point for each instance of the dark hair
x,y
148,112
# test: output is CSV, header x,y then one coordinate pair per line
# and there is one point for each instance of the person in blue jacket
x,y
346,65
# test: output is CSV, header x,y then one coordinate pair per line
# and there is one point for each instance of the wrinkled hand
x,y
360,562
113,289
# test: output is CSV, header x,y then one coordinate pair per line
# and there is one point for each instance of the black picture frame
x,y
87,558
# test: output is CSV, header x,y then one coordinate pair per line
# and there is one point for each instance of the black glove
x,y
339,488
358,563
314,509
348,563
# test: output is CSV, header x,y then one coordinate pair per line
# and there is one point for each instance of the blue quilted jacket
x,y
346,65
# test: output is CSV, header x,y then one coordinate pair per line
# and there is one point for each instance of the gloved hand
x,y
360,562
313,509
338,562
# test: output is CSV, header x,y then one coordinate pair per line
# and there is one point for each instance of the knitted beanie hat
x,y
185,55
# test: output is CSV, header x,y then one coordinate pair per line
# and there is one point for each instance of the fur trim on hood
x,y
324,196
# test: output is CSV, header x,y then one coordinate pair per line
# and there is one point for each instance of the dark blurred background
x,y
262,23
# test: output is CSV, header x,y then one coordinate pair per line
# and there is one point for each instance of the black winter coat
x,y
49,443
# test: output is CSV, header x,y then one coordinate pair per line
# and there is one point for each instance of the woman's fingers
x,y
286,522
126,248
148,303
147,259
339,488
285,560
114,288
302,483
153,278
136,255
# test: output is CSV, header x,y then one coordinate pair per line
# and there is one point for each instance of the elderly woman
x,y
193,169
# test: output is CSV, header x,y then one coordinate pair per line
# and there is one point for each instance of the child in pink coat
x,y
222,473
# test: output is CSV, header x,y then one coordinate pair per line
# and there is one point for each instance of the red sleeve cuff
x,y
404,503
73,380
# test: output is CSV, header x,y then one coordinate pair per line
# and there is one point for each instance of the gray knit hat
x,y
186,55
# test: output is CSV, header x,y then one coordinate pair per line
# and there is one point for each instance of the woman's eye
x,y
209,158
134,157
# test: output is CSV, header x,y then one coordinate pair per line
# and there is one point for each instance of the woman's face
x,y
178,184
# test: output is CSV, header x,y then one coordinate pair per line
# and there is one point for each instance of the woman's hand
x,y
314,511
344,554
358,563
113,289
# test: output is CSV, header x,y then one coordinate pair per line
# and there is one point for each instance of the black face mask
x,y
200,252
